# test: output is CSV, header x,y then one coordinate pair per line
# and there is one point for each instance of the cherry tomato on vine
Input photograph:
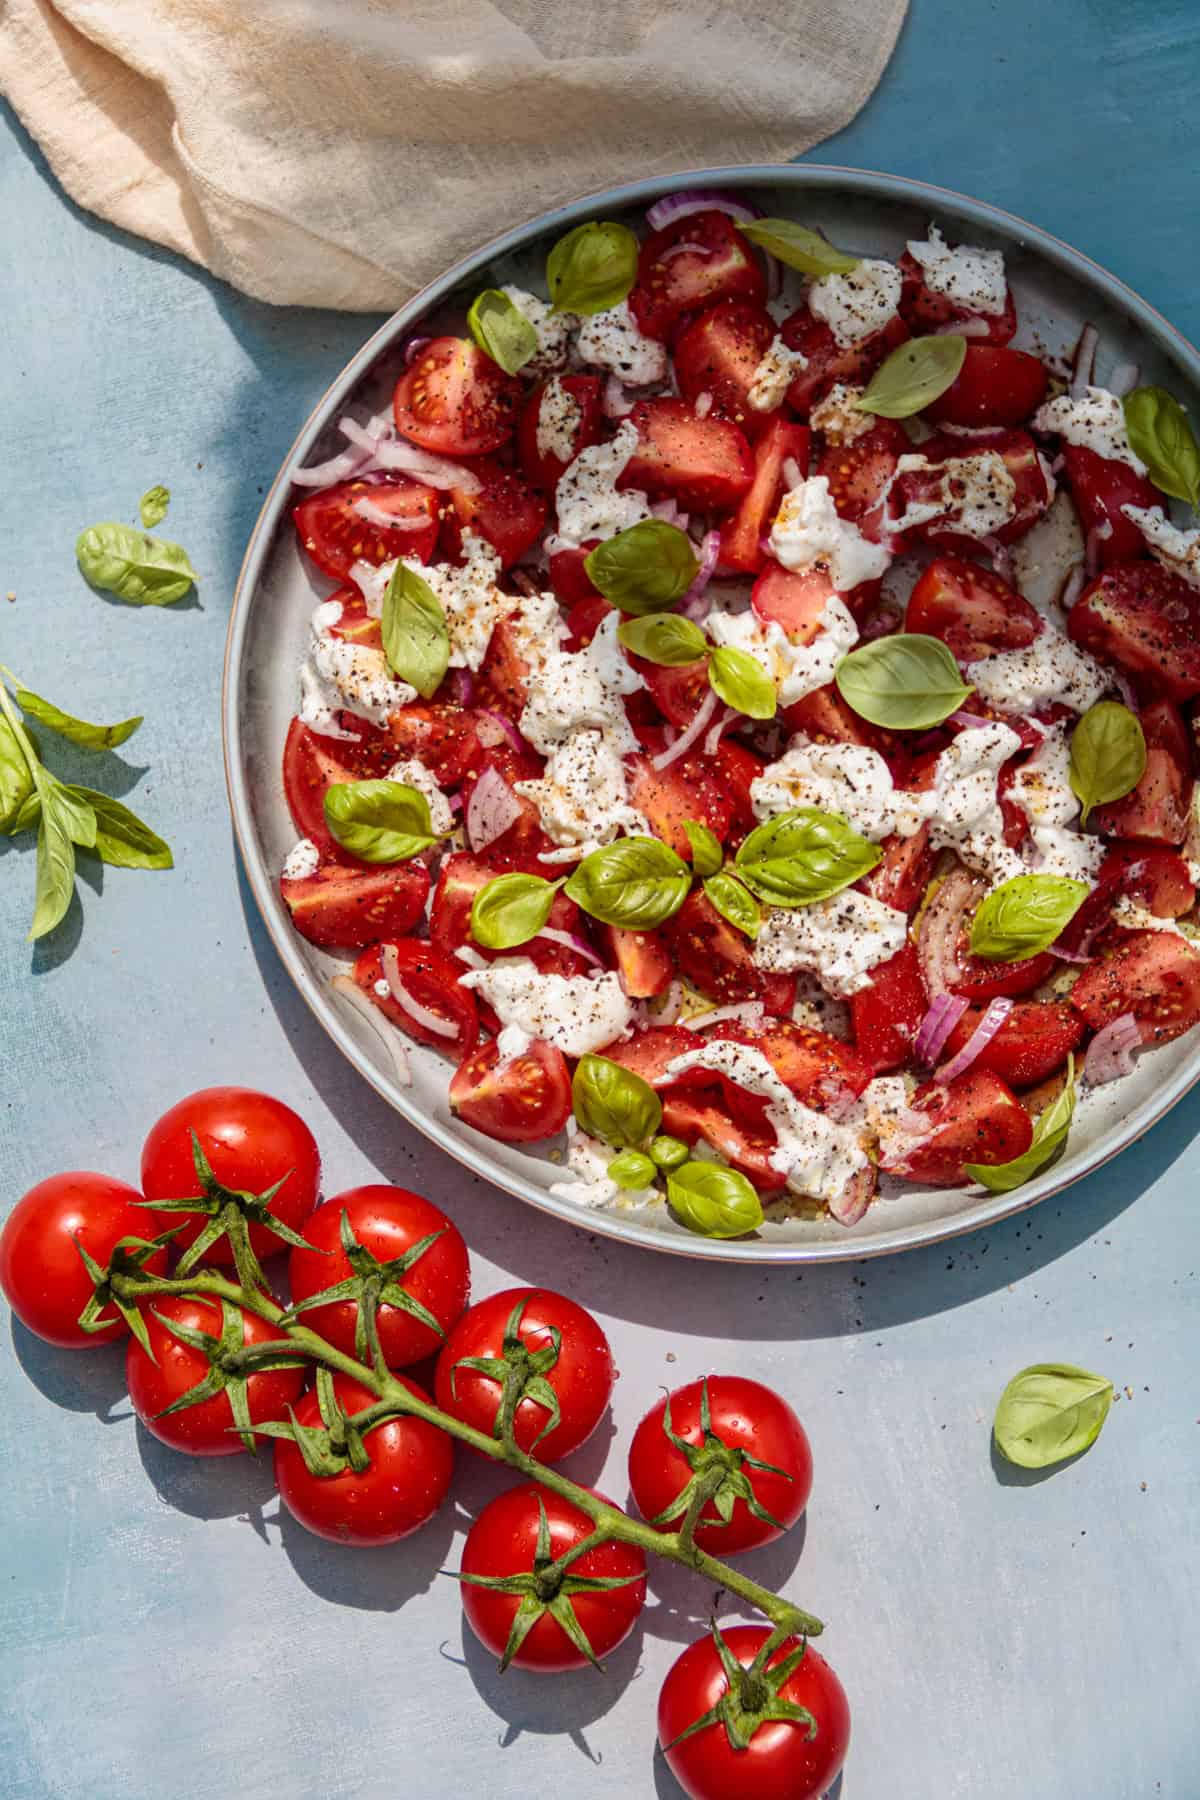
x,y
42,1274
520,1534
411,1465
229,1398
578,1379
723,1423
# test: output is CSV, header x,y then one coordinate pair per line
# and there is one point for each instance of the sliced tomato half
x,y
973,612
1101,486
454,400
431,979
1159,806
459,880
518,1099
312,764
1032,1044
742,536
334,533
887,1015
346,908
995,386
683,790
718,354
976,1119
1147,621
640,958
439,735
696,1117
827,362
1155,975
719,962
688,266
504,510
705,464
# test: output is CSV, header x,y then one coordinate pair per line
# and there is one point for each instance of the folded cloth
x,y
343,152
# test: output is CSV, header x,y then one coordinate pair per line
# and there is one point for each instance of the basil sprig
x,y
1049,1412
707,854
637,883
740,680
907,682
1024,916
16,783
713,1200
913,377
146,571
416,638
735,903
798,247
592,267
645,568
501,330
802,856
1049,1136
1160,432
511,909
664,638
76,731
1108,755
612,1103
379,821
152,507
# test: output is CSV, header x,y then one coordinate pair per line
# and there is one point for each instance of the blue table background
x,y
161,1628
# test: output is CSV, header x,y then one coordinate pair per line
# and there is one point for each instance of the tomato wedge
x,y
717,264
887,1015
902,876
439,735
1100,487
1159,880
681,791
973,612
796,600
828,363
641,959
694,1117
348,908
647,1053
335,535
1155,975
518,1099
454,400
995,386
718,354
312,763
460,879
430,978
1147,620
504,510
926,309
563,414
719,962
860,476
1033,1043
976,1119
742,536
819,1069
1160,805
702,463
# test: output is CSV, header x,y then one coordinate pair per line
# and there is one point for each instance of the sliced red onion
x,y
357,1000
670,512
569,940
375,515
334,468
1056,467
1125,688
687,245
968,431
793,474
1074,585
397,453
751,1013
694,200
466,953
703,405
407,1002
993,1018
413,349
1110,1053
686,739
969,721
712,741
1123,379
941,924
1069,956
967,328
1001,556
913,1121
1083,367
461,683
492,808
1091,548
710,549
615,402
492,728
664,1010
454,802
849,1206
936,1026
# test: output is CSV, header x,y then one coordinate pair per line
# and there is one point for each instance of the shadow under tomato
x,y
80,1380
550,1705
378,1578
210,1487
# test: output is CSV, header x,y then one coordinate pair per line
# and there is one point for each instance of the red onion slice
x,y
940,928
751,1013
375,515
967,328
1123,379
1069,956
354,997
334,468
1083,367
994,1016
703,405
687,246
1091,549
1001,556
1110,1053
670,513
710,549
694,200
569,940
936,1026
849,1206
1074,585
969,721
686,739
1125,688
422,465
492,808
413,349
407,1002
712,741
492,728
664,1010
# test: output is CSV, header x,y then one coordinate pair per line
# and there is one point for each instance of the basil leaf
x,y
72,809
798,247
913,376
593,267
1022,917
663,638
152,507
501,330
707,854
77,731
146,571
416,640
805,855
16,783
734,903
1160,433
714,1200
379,821
1049,1412
907,682
632,1170
668,1152
637,882
55,872
613,1103
1049,1136
1108,755
28,814
122,840
740,680
644,569
511,909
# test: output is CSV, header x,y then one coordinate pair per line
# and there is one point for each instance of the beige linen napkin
x,y
343,152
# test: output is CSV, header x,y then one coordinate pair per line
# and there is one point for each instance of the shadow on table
x,y
79,1380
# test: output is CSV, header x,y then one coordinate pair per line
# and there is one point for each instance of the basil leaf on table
x,y
664,638
802,856
71,807
152,507
614,1104
501,330
16,783
734,903
55,873
379,821
740,680
645,568
713,1200
1108,755
592,267
511,909
913,376
122,839
77,731
416,638
1160,432
146,571
1049,1136
1049,1412
637,882
1023,916
907,682
798,247
707,854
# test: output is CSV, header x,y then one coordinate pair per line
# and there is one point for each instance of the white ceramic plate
x,y
1057,291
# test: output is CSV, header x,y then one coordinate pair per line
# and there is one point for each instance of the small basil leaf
x,y
740,680
669,1152
78,731
631,1169
644,569
913,376
146,571
907,682
798,247
613,1103
714,1200
16,783
1108,755
1160,433
122,840
663,638
734,903
707,854
72,808
416,639
1022,917
501,330
55,872
805,855
28,814
511,909
593,267
152,507
1049,1412
379,821
1049,1136
637,882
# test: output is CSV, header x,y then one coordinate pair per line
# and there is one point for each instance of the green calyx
x,y
373,1284
754,1695
337,1444
230,1214
231,1362
129,1256
520,1372
717,1480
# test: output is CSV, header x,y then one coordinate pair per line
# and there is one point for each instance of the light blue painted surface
x,y
160,1629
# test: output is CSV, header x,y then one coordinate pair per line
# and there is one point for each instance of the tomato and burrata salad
x,y
748,725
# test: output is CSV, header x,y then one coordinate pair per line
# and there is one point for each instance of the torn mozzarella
x,y
839,940
809,533
587,501
795,669
857,305
849,779
613,340
1094,421
971,279
1176,550
575,1013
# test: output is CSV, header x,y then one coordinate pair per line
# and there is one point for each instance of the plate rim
x,y
987,1211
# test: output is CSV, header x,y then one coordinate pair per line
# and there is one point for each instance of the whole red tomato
x,y
42,1274
408,1478
580,1376
406,1259
208,1427
520,1533
730,1424
781,1761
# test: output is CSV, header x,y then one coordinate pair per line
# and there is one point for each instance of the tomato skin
x,y
412,1465
901,878
568,576
251,1141
642,960
335,537
454,400
312,764
42,1275
818,1068
683,790
387,1221
1032,1044
828,363
206,1429
718,353
996,386
697,1117
647,1053
723,267
742,535
737,769
979,978
1147,621
977,1119
503,1541
719,961
518,1100
706,464
461,877
1155,975
1159,806
1100,486
439,735
860,476
1157,879
926,309
781,1762
745,1415
431,977
792,599
582,1378
545,471
887,1015
504,511
678,693
972,611
349,908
